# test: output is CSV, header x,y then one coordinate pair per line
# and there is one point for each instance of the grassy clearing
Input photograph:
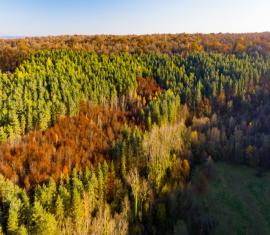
x,y
238,200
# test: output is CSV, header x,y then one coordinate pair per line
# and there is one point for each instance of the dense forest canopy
x,y
54,83
14,51
120,134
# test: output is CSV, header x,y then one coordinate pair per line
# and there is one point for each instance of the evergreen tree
x,y
13,217
59,210
22,230
100,183
3,135
77,210
198,95
123,166
42,222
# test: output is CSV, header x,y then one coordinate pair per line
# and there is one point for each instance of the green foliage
x,y
38,91
59,210
53,83
42,222
77,209
162,110
101,185
150,164
13,217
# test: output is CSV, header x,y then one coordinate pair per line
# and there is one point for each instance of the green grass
x,y
238,200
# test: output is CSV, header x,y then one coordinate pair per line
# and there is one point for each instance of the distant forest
x,y
121,134
14,51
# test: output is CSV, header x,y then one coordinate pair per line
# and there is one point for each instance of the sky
x,y
88,17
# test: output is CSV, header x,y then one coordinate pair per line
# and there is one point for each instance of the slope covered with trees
x,y
54,83
102,140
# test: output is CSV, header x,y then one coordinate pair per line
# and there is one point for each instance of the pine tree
x,y
105,170
45,118
93,190
65,195
148,121
22,230
198,95
43,223
100,183
3,135
156,117
59,210
13,216
123,166
87,178
23,125
214,89
77,210
15,124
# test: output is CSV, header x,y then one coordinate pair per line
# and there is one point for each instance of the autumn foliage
x,y
74,142
14,51
109,142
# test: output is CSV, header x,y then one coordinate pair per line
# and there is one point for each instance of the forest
x,y
134,134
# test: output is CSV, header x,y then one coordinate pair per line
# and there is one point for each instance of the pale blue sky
x,y
53,17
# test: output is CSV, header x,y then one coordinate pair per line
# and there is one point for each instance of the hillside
x,y
116,135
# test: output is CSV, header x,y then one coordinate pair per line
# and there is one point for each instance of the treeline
x,y
13,52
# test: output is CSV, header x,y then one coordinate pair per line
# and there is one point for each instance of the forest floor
x,y
238,200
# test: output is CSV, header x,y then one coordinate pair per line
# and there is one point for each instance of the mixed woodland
x,y
121,134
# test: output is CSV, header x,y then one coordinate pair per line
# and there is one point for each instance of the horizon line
x,y
126,34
